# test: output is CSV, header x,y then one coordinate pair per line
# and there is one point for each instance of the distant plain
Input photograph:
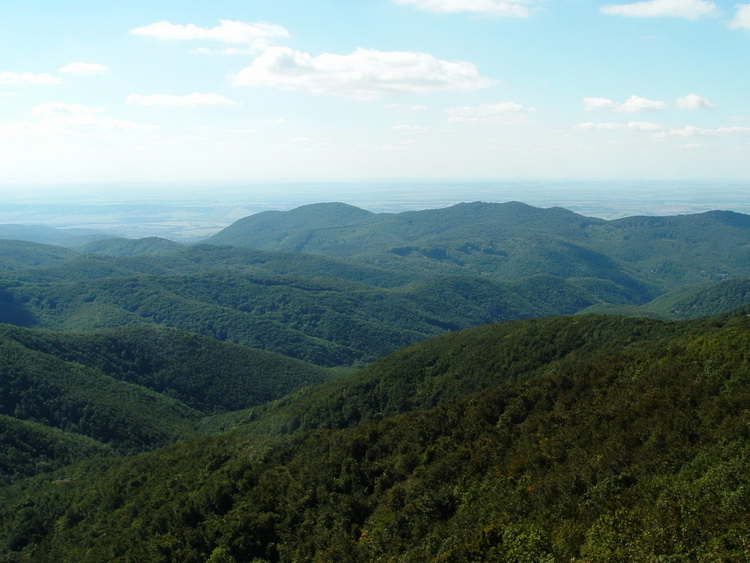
x,y
191,213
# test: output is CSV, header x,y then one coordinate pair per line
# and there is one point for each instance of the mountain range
x,y
490,382
335,285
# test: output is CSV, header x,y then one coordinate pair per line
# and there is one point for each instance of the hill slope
x,y
323,321
65,395
131,247
16,254
28,448
632,450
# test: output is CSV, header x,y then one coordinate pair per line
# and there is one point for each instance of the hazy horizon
x,y
190,212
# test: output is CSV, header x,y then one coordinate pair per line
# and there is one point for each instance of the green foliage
x,y
16,254
323,321
28,448
150,246
702,301
134,389
513,240
689,302
43,388
202,373
372,283
584,438
444,369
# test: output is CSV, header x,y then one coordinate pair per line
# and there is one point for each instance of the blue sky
x,y
250,91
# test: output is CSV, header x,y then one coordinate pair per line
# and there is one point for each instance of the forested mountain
x,y
403,277
17,254
323,321
581,438
512,240
161,402
74,266
131,247
689,302
132,389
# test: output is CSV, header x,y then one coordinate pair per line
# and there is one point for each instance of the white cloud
x,y
365,74
693,131
594,104
741,18
505,112
688,9
257,36
694,101
22,78
632,126
634,104
503,8
84,68
190,100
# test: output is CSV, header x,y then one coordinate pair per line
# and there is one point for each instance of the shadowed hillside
x,y
132,389
587,438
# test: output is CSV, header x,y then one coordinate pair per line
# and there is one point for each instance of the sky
x,y
248,91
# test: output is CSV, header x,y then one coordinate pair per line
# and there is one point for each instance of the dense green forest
x,y
512,240
367,284
126,390
485,382
587,438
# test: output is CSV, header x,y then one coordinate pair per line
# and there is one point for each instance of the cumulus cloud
x,y
84,68
634,104
632,126
502,8
190,100
256,36
23,78
595,104
741,18
687,9
365,74
694,101
505,112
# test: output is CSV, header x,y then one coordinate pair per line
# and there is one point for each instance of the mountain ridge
x,y
506,240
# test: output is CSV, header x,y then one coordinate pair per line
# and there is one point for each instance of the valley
x,y
479,381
